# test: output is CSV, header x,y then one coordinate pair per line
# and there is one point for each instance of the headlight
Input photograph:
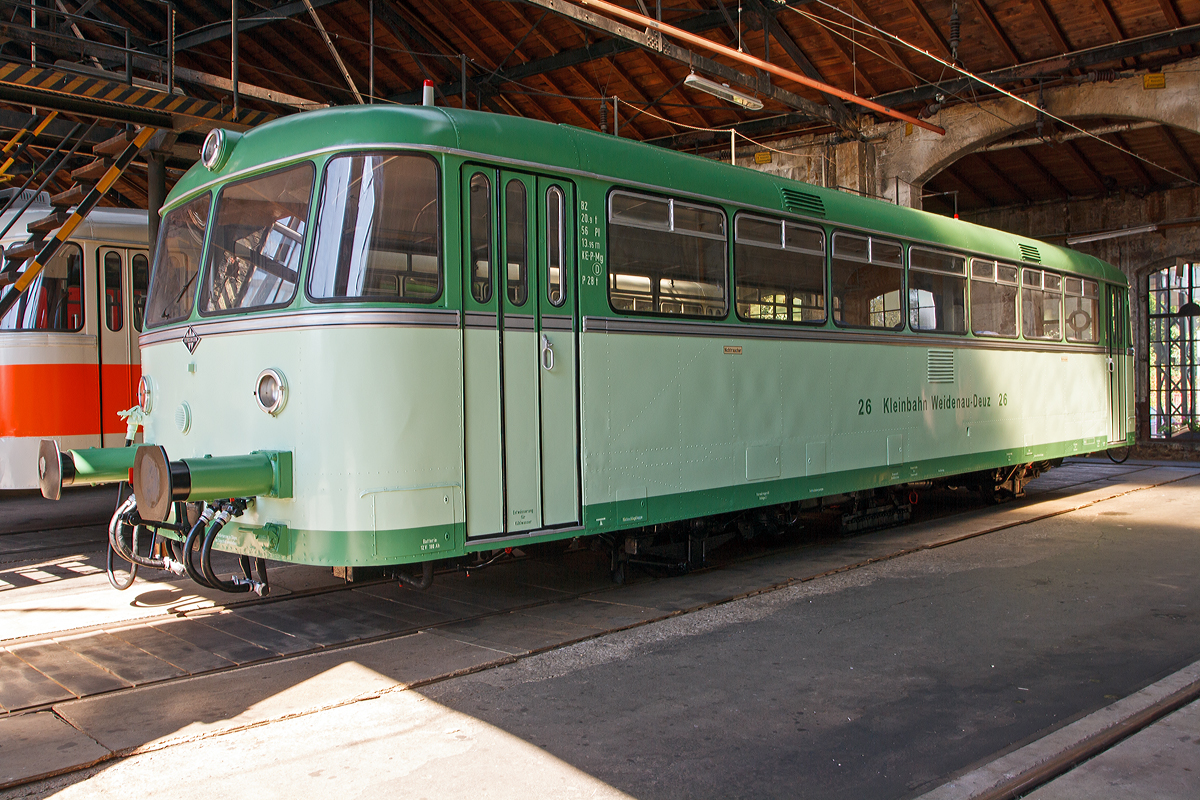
x,y
145,394
270,391
216,148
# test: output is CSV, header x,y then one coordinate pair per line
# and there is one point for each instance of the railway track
x,y
188,641
190,635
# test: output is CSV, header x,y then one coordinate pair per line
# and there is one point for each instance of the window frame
x,y
1041,273
305,241
784,223
315,212
672,229
202,253
996,281
871,237
964,275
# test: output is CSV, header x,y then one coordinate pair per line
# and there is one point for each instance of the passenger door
x,y
1118,348
118,324
519,354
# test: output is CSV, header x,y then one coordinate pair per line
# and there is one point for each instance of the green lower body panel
x,y
377,548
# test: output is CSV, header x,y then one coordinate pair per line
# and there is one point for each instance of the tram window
x,y
1041,304
141,280
516,242
937,291
481,238
867,278
114,302
779,270
177,262
53,301
555,249
1082,312
993,299
666,256
253,258
378,230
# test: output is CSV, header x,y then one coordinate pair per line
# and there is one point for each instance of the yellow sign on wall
x,y
762,157
1154,80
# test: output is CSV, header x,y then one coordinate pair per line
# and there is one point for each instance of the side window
x,y
779,270
141,284
937,291
1082,312
378,230
481,238
254,251
556,279
516,242
53,301
1041,304
177,262
114,300
666,256
867,278
993,299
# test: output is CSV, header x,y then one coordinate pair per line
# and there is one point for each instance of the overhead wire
x,y
970,76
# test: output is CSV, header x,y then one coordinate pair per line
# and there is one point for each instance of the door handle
x,y
547,354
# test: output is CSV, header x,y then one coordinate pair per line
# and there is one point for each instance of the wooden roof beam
x,y
1051,25
1045,174
774,29
655,43
1054,65
989,20
1001,178
1189,165
1072,150
1134,163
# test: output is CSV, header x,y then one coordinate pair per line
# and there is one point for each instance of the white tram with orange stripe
x,y
69,347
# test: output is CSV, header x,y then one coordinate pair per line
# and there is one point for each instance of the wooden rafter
x,y
989,21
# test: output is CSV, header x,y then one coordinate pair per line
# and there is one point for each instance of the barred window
x,y
666,256
779,270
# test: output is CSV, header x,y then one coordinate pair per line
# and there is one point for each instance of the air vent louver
x,y
803,203
940,366
1030,253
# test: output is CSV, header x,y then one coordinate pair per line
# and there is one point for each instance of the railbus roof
x,y
525,142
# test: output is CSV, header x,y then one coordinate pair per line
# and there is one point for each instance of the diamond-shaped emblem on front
x,y
191,339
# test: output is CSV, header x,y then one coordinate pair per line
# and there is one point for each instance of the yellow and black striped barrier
x,y
13,141
90,201
95,96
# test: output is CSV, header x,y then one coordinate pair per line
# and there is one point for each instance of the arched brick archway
x,y
915,157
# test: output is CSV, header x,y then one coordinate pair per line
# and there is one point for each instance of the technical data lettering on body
x,y
591,247
938,402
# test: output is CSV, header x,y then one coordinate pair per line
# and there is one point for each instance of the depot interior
x,y
1071,123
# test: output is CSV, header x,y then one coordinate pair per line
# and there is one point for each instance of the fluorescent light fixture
x,y
723,91
1095,237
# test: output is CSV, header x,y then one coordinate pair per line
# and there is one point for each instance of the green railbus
x,y
403,334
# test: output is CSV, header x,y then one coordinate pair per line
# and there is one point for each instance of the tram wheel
x,y
118,583
1124,451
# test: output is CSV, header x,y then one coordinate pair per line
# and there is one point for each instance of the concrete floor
x,y
883,682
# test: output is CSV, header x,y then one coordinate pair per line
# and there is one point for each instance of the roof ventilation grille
x,y
803,203
1030,253
940,366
